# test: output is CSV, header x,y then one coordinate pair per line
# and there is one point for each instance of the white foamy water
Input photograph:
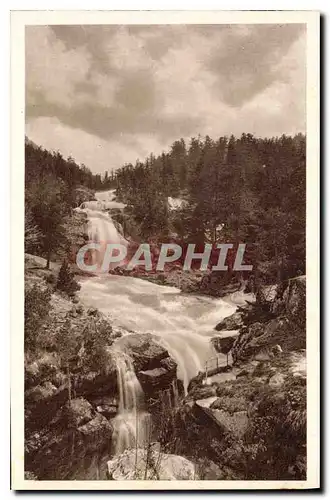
x,y
184,324
132,424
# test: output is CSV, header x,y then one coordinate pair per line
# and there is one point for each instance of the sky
x,y
108,95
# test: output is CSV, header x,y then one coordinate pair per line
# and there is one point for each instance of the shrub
x,y
65,281
36,311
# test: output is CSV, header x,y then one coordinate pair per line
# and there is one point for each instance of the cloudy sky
x,y
107,95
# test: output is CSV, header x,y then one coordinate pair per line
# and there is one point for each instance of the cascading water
x,y
132,424
183,324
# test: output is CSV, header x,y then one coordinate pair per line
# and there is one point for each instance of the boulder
x,y
235,423
106,405
232,322
133,464
145,353
161,376
77,412
277,380
42,402
76,437
95,433
240,350
263,341
154,368
96,383
290,300
107,411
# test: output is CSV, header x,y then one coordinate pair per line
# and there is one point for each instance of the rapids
x,y
182,323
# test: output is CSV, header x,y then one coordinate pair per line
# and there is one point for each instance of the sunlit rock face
x,y
134,464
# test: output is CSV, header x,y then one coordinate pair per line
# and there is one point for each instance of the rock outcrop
x,y
44,400
285,332
68,447
254,426
153,366
224,343
232,322
152,465
291,301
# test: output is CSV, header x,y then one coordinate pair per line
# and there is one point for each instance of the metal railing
x,y
214,364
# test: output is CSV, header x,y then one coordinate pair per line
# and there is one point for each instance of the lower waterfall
x,y
132,425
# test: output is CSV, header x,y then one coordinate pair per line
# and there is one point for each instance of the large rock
x,y
134,464
285,332
106,405
145,353
44,400
77,412
232,322
154,367
161,376
240,350
76,437
223,422
224,344
268,340
95,433
290,300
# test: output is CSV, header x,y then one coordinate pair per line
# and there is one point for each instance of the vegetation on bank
x,y
61,331
235,190
53,187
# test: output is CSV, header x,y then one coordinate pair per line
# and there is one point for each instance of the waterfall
x,y
132,424
183,324
101,228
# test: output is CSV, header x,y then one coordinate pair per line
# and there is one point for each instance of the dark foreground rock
x,y
286,331
71,445
253,427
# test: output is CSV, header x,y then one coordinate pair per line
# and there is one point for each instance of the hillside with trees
x,y
253,189
53,187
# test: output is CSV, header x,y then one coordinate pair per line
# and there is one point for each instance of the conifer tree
x,y
65,281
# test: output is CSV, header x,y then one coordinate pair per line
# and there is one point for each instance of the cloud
x,y
96,153
126,91
246,60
